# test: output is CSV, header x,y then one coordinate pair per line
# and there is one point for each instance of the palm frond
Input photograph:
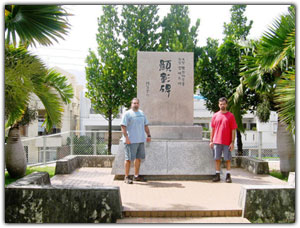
x,y
277,40
52,104
236,108
285,97
33,24
20,65
59,83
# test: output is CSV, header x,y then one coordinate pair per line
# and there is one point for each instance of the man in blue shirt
x,y
134,125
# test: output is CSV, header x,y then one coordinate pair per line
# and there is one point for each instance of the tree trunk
x,y
109,134
15,157
286,149
239,143
239,147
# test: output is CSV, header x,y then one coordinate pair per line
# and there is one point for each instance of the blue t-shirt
x,y
135,125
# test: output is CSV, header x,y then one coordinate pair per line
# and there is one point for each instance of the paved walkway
x,y
170,195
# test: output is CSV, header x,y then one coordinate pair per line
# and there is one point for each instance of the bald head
x,y
135,104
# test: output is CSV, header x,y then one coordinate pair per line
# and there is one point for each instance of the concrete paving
x,y
202,195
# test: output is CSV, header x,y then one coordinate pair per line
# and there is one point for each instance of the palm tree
x,y
32,24
270,70
25,74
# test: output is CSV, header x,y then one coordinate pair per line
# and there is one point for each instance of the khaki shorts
x,y
134,151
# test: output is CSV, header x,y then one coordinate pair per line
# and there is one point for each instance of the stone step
x,y
182,213
224,220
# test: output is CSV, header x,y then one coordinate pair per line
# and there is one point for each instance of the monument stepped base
x,y
185,132
171,159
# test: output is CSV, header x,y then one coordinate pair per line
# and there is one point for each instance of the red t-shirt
x,y
223,123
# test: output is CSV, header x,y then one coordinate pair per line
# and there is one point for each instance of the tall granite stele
x,y
165,88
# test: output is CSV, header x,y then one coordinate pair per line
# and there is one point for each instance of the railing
x,y
257,149
49,148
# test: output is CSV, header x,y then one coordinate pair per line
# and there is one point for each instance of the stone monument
x,y
165,88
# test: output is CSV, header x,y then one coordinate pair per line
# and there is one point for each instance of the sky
x,y
70,54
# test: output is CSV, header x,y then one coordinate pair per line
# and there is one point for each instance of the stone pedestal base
x,y
171,159
169,132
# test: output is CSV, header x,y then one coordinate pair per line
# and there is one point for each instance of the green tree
x,y
219,71
25,74
237,29
105,78
209,78
177,33
139,29
271,71
32,24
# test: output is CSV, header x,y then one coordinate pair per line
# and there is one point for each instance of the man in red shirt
x,y
222,138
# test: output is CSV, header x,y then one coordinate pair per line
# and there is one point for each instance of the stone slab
x,y
66,165
158,71
35,178
254,165
69,163
171,157
37,204
176,132
292,179
268,203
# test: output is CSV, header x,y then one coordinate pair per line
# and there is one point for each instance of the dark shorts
x,y
134,151
218,149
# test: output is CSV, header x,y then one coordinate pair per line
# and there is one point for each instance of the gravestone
x,y
165,88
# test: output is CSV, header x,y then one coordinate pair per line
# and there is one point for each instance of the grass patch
x,y
48,169
278,175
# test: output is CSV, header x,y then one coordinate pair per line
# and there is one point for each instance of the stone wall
x,y
39,204
268,203
68,164
35,178
253,165
32,199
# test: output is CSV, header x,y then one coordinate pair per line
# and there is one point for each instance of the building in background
x,y
255,133
70,122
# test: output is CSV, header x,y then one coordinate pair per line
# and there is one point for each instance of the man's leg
x,y
228,165
217,157
127,163
227,157
127,167
218,165
137,164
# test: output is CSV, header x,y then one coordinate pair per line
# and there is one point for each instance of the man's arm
x,y
148,133
124,131
231,147
212,134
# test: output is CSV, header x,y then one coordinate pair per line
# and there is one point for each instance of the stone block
x,y
291,179
35,178
176,132
268,203
165,87
66,165
254,165
37,204
171,158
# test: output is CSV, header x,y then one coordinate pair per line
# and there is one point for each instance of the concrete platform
x,y
197,195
